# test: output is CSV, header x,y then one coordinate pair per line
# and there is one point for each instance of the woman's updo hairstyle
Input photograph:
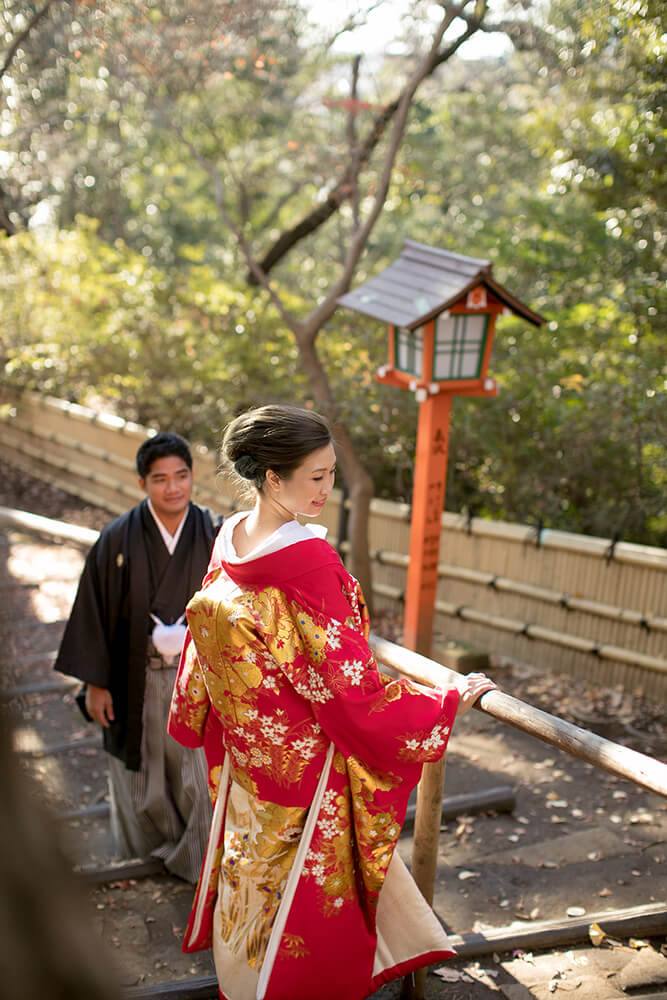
x,y
272,437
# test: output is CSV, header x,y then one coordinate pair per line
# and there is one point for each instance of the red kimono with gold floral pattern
x,y
277,681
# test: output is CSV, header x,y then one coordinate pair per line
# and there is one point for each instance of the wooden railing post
x,y
426,838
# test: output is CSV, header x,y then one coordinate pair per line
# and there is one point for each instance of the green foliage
x,y
550,164
100,324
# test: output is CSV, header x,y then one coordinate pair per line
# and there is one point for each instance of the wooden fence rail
x,y
567,602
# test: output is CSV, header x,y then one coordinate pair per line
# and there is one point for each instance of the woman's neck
x,y
263,520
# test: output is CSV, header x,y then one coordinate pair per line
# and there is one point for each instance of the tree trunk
x,y
5,221
359,482
360,486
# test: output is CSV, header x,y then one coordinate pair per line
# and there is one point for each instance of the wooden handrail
x,y
613,757
39,525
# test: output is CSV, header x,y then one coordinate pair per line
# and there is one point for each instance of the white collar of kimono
x,y
171,541
287,534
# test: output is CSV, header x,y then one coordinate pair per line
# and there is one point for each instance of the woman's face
x,y
306,490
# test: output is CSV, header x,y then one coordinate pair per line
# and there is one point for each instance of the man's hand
x,y
471,687
99,705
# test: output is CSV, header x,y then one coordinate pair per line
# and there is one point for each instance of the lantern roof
x,y
425,281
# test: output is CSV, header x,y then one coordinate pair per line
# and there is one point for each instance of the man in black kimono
x,y
123,640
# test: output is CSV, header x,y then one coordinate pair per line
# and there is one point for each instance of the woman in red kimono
x,y
312,752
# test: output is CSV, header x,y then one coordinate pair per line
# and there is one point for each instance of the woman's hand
x,y
471,687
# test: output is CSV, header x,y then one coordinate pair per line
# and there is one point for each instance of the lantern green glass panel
x,y
459,346
409,350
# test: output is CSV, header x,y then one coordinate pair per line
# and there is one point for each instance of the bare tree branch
x,y
5,222
526,36
344,188
353,21
352,137
290,321
319,316
22,36
269,219
357,477
337,195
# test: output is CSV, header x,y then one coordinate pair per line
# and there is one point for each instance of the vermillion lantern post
x,y
427,507
441,309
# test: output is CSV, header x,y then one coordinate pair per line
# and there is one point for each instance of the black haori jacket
x,y
105,639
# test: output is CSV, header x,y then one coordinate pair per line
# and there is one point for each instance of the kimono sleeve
x,y
389,724
190,701
191,721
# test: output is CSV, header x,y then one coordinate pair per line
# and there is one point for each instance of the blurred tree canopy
x,y
148,146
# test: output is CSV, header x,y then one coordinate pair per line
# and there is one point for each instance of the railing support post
x,y
425,843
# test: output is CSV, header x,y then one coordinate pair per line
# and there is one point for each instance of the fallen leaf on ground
x,y
596,934
452,976
524,956
484,976
641,817
476,969
479,927
599,937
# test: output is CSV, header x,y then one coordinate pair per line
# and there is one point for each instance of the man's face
x,y
168,485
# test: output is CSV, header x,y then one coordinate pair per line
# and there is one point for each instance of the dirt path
x,y
579,842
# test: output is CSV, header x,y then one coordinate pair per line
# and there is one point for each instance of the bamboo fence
x,y
570,603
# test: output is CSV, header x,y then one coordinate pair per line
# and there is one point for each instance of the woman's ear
x,y
272,479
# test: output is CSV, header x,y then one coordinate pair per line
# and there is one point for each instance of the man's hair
x,y
162,445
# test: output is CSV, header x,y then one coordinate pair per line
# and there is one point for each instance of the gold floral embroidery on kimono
x,y
260,842
320,754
